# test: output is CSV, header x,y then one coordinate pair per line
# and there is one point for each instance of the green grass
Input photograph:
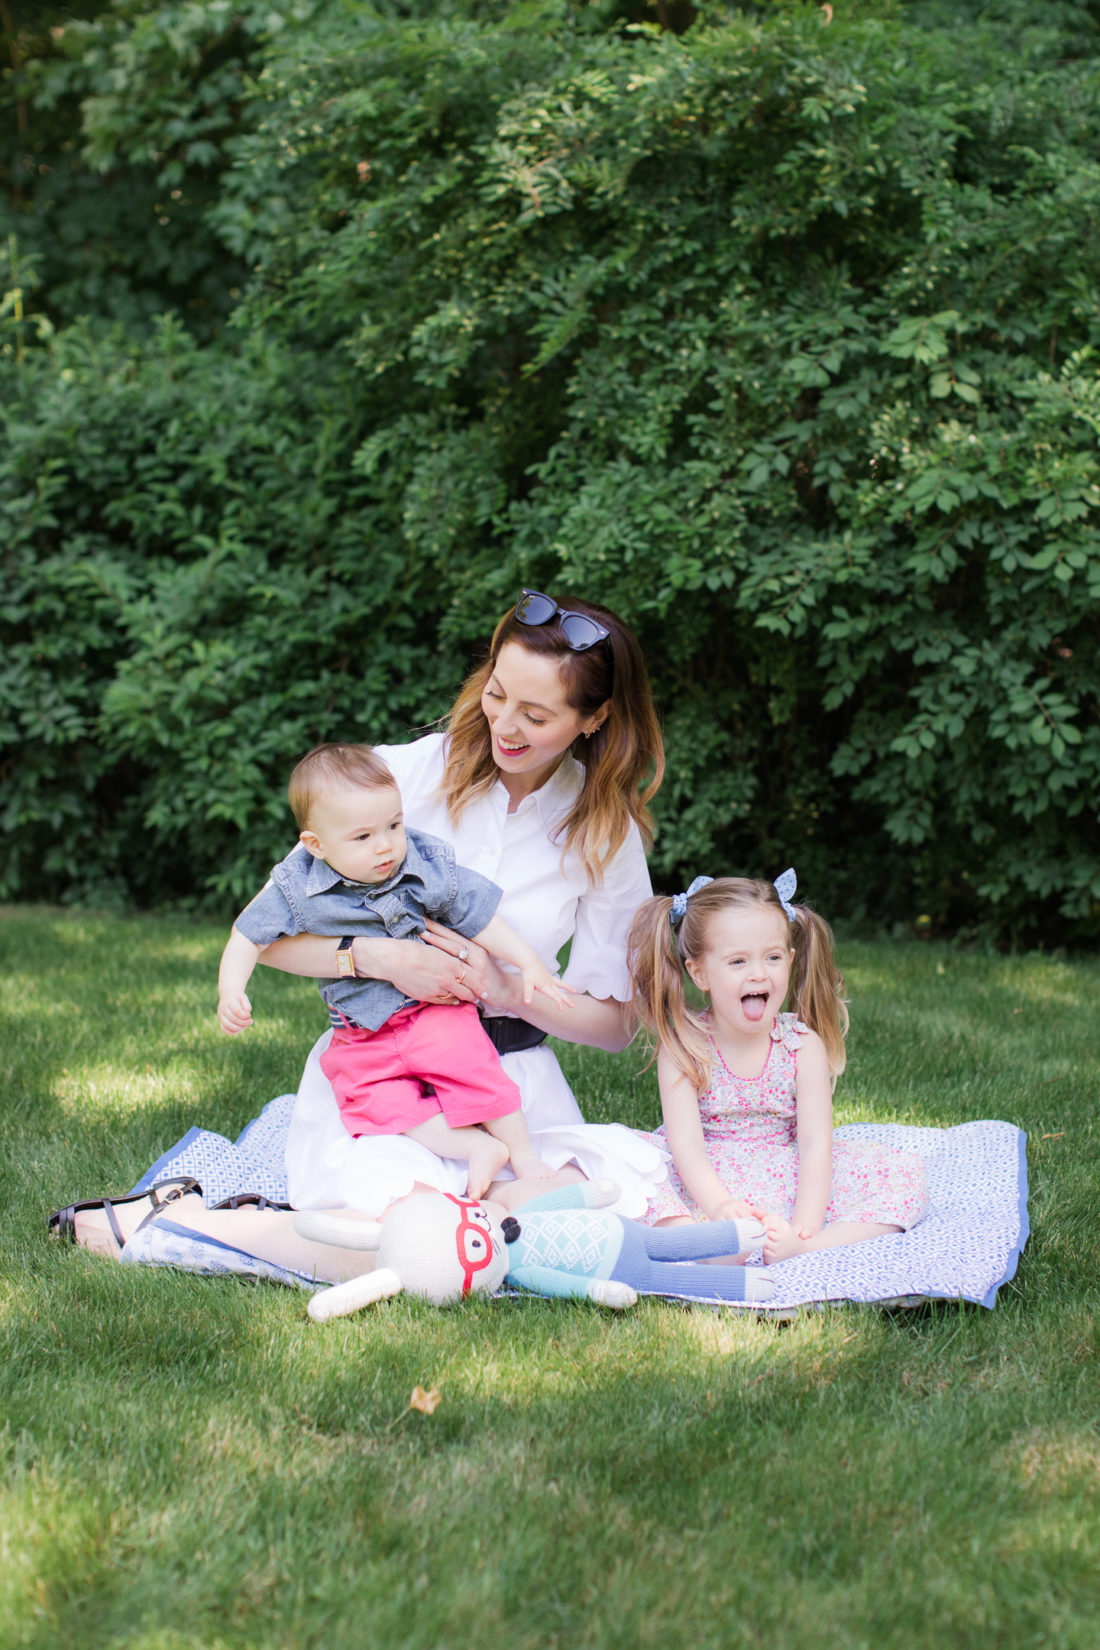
x,y
191,1462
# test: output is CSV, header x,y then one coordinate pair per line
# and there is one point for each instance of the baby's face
x,y
360,832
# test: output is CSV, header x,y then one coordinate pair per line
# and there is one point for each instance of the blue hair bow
x,y
785,885
680,901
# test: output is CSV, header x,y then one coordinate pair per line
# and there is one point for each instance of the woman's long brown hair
x,y
623,761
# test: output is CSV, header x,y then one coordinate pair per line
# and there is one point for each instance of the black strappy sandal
x,y
62,1223
249,1200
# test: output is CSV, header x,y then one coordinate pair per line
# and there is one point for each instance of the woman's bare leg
x,y
511,1193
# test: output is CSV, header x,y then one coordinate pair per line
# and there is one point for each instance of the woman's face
x,y
531,722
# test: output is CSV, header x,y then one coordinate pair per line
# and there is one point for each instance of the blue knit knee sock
x,y
712,1237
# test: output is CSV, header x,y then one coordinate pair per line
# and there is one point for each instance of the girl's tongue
x,y
755,1005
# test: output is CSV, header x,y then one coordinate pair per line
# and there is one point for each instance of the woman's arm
x,y
421,972
594,1021
502,941
687,1143
814,1097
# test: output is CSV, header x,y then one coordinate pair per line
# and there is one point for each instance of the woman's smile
x,y
531,720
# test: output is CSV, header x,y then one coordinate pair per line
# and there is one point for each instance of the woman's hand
x,y
478,972
588,1020
422,972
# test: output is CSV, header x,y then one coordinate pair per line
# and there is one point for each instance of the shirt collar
x,y
556,796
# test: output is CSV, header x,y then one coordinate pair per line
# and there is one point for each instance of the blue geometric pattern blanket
x,y
965,1249
254,1162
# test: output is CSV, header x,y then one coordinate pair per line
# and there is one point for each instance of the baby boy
x,y
397,1066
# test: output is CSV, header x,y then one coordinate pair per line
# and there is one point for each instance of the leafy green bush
x,y
774,334
196,589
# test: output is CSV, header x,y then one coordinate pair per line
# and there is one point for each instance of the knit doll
x,y
565,1243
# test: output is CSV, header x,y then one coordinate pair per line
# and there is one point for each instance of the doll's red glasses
x,y
473,1241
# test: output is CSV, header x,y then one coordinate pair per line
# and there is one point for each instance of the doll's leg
x,y
703,1241
638,1266
724,1283
484,1156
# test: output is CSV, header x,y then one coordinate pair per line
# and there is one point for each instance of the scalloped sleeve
x,y
597,959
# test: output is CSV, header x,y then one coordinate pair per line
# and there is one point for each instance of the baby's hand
x,y
234,1013
538,978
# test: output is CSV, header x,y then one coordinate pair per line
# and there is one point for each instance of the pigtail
x,y
817,985
660,1002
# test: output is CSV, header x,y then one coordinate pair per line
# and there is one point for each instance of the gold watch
x,y
345,958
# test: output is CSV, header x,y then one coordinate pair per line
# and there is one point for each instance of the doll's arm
x,y
684,1128
591,1194
238,961
814,1099
546,1280
504,942
345,1298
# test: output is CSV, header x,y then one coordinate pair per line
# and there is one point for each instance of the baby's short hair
x,y
329,765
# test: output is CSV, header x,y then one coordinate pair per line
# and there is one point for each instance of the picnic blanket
x,y
966,1248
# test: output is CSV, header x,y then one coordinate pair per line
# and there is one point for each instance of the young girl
x,y
746,1089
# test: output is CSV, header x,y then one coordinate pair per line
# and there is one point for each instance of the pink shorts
x,y
381,1077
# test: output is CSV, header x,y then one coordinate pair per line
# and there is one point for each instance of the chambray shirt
x,y
306,896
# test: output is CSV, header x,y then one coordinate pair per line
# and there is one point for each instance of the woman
x,y
541,783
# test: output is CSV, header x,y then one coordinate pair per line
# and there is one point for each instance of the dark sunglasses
x,y
579,630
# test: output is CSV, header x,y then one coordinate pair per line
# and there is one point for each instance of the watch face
x,y
345,963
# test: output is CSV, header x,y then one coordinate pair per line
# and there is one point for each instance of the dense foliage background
x,y
327,324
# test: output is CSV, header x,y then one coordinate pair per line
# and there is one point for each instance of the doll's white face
x,y
443,1248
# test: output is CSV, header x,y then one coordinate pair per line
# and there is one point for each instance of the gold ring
x,y
461,977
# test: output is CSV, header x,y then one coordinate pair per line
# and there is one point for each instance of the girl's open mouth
x,y
511,750
754,1004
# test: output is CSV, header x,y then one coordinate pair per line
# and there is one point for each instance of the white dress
x,y
547,902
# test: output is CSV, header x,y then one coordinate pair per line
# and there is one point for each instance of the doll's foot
x,y
749,1234
758,1285
609,1292
485,1163
529,1166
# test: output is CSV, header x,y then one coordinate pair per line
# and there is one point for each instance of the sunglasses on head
x,y
579,630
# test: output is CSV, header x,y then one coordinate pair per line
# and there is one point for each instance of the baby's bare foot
x,y
529,1166
485,1163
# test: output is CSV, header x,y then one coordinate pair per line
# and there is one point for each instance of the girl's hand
x,y
234,1013
427,974
735,1208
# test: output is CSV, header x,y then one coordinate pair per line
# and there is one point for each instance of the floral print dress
x,y
749,1126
